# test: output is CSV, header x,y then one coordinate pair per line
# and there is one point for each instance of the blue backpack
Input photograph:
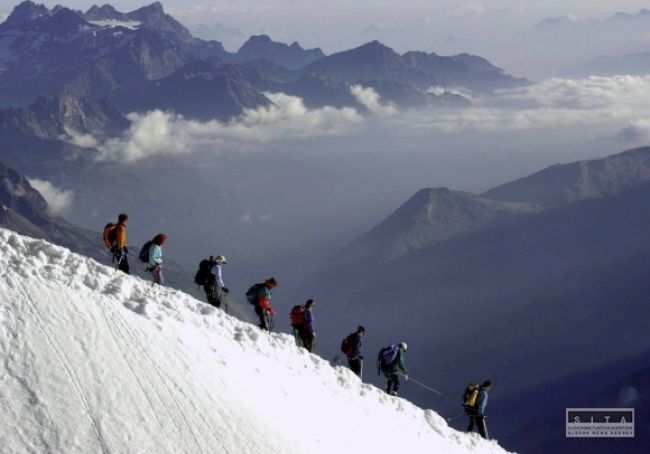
x,y
144,252
387,355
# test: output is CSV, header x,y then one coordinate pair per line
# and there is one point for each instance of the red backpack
x,y
297,316
347,346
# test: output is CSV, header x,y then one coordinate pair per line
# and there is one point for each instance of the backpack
x,y
204,276
387,355
144,251
252,294
470,395
110,235
347,346
297,316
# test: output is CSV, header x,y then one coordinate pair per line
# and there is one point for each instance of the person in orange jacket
x,y
115,239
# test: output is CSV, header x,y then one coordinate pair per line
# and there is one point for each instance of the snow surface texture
x,y
97,361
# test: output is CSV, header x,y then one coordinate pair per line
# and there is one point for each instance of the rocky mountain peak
x,y
17,194
256,44
290,56
25,12
103,12
152,11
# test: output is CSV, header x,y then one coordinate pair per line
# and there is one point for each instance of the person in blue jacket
x,y
156,258
477,418
391,361
307,333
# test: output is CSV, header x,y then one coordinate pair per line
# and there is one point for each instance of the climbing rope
x,y
429,388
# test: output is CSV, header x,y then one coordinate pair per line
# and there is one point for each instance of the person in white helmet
x,y
215,289
391,361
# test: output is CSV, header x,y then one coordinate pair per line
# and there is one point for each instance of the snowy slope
x,y
96,361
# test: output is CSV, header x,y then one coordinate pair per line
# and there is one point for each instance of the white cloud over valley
x,y
157,132
59,200
371,100
597,108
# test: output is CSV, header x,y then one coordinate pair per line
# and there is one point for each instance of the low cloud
x,y
59,200
635,131
166,133
590,93
371,100
594,109
439,90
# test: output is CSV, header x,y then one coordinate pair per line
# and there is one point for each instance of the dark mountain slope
x,y
565,183
375,62
506,301
431,216
198,90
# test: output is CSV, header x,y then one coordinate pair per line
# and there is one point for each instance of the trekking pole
x,y
117,265
433,390
270,318
453,418
226,303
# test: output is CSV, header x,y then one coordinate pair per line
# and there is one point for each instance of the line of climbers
x,y
115,240
391,360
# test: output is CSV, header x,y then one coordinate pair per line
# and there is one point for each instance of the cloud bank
x,y
597,108
371,100
59,200
159,133
636,131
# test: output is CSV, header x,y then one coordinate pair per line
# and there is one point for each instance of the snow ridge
x,y
96,361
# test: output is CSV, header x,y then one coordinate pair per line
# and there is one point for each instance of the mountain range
x,y
146,59
574,47
636,64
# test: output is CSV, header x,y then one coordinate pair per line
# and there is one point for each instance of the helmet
x,y
402,346
220,260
